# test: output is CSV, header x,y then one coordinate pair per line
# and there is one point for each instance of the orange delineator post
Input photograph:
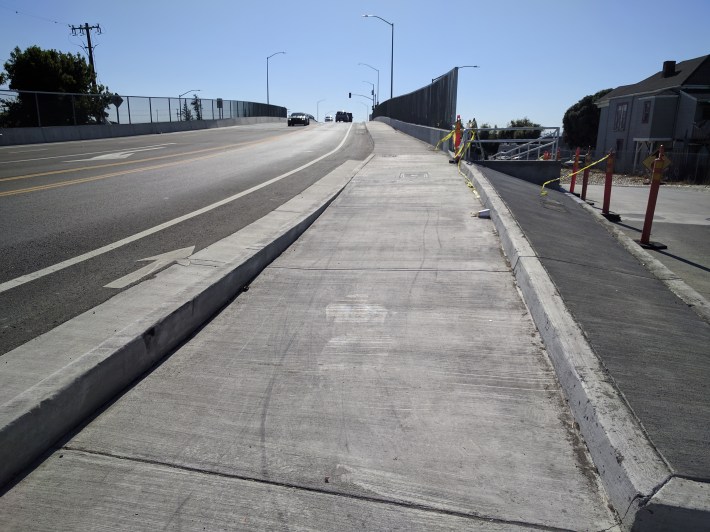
x,y
653,196
457,134
607,182
575,167
585,177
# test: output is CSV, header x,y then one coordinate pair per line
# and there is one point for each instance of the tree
x,y
523,133
581,121
35,69
489,147
197,106
186,112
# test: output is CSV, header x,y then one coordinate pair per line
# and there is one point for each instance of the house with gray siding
x,y
670,108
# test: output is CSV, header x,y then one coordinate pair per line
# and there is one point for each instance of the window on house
x,y
620,119
646,115
619,145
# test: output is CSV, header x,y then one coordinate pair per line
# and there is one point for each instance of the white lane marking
x,y
157,262
77,154
115,155
18,281
26,151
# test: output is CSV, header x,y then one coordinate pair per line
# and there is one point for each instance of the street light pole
x,y
378,80
267,74
318,108
391,51
372,93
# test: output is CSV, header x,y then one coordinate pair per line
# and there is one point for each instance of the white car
x,y
329,118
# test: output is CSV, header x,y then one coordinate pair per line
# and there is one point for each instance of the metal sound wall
x,y
433,105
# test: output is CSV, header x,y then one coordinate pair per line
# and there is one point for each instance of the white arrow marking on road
x,y
115,155
159,261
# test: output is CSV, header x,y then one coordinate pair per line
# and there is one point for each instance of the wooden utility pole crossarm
x,y
86,30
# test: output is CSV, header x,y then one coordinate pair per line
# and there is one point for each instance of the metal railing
x,y
40,109
512,143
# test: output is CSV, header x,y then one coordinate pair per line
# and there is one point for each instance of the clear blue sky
x,y
536,58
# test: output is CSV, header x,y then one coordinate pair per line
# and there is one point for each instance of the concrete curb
x,y
34,420
638,481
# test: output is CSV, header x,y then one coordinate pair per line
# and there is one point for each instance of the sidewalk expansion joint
x,y
463,270
318,491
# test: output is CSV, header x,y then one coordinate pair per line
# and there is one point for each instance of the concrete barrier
x,y
430,135
37,135
537,172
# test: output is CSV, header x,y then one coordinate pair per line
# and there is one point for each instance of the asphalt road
x,y
60,202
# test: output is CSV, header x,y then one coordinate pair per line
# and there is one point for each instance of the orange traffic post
x,y
658,166
585,176
457,134
575,167
607,190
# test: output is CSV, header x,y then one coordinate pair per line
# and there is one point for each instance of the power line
x,y
31,15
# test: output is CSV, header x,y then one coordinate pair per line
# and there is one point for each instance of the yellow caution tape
x,y
543,192
447,137
463,149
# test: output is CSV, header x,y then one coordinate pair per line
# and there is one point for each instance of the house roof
x,y
691,72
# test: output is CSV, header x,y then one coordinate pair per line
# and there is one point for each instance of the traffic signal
x,y
350,95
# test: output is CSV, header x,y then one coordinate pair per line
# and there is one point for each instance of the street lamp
x,y
373,93
378,80
267,74
391,51
363,96
317,108
180,101
464,66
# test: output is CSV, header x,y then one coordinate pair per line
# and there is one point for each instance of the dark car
x,y
343,116
298,118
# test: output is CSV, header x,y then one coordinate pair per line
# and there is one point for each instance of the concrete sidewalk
x,y
382,373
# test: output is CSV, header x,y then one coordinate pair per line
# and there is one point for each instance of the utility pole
x,y
86,30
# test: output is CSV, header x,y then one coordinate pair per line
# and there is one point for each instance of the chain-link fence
x,y
433,105
41,109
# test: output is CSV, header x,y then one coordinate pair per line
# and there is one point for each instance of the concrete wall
x,y
430,135
537,172
35,135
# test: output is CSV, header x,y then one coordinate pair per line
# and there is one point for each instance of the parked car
x,y
343,116
298,118
328,118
